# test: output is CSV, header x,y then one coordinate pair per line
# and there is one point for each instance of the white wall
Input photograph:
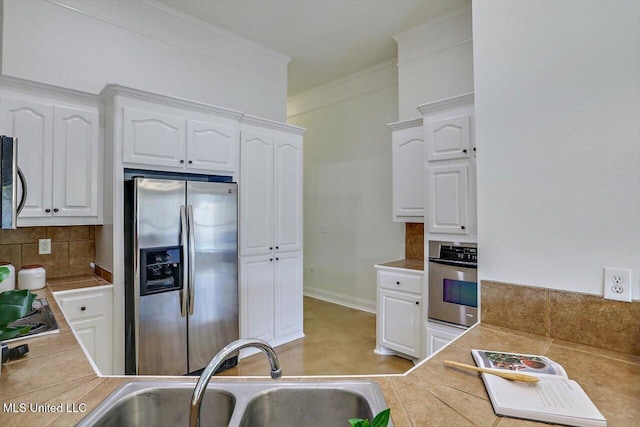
x,y
435,61
557,89
347,184
85,44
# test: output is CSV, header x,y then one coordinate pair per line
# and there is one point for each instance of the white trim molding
x,y
341,299
360,83
445,104
405,124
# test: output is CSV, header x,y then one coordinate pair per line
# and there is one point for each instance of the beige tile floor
x,y
338,341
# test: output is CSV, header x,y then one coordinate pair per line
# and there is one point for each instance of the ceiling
x,y
327,39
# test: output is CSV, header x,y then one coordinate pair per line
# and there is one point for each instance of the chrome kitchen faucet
x,y
212,367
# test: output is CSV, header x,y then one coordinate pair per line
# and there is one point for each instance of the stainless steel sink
x,y
299,406
240,404
159,404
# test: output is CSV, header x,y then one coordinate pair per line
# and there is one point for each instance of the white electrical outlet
x,y
312,270
44,246
617,284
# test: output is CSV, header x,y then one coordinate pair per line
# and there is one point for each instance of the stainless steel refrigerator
x,y
181,269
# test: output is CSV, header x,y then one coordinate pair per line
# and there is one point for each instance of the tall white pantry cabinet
x,y
271,231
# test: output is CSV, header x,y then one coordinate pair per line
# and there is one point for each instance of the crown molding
x,y
405,124
272,124
43,88
427,24
444,104
224,33
112,90
220,32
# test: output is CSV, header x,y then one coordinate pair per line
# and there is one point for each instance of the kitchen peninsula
x,y
57,376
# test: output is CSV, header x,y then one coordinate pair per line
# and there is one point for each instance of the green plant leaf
x,y
8,332
4,273
382,419
15,304
359,422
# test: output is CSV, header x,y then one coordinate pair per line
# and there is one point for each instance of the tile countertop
x,y
57,373
404,264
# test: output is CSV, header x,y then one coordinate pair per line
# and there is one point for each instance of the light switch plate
x,y
44,246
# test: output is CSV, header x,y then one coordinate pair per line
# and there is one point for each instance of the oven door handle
x,y
466,264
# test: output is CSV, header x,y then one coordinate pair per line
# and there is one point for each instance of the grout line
x,y
405,411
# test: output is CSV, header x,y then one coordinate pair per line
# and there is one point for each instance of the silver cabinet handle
x,y
185,271
192,257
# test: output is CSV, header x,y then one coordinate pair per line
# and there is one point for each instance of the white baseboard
x,y
341,299
249,351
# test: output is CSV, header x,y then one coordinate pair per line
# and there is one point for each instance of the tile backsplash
x,y
568,316
72,249
414,241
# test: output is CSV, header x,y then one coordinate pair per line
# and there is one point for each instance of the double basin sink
x,y
240,404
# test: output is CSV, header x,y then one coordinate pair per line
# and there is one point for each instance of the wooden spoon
x,y
508,375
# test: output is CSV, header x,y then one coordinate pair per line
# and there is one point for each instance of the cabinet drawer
x,y
400,282
83,306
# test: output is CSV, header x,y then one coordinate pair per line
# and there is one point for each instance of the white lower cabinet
x,y
399,312
90,313
440,335
271,297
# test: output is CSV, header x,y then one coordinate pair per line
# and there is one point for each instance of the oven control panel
x,y
458,253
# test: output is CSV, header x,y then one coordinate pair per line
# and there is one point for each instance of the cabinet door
x,y
408,173
447,199
288,293
32,124
256,194
400,326
287,188
256,297
211,147
448,138
75,162
94,334
438,338
90,312
153,139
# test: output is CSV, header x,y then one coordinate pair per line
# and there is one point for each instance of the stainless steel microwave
x,y
10,207
453,282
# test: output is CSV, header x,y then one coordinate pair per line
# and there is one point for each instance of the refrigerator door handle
x,y
184,232
192,256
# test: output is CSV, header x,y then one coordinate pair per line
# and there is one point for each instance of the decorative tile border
x,y
569,316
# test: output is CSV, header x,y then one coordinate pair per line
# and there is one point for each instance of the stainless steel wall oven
x,y
453,282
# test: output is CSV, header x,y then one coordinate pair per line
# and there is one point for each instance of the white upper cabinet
x,y
449,137
75,160
211,146
256,196
287,189
155,139
408,171
172,135
449,198
450,192
59,151
271,196
32,124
